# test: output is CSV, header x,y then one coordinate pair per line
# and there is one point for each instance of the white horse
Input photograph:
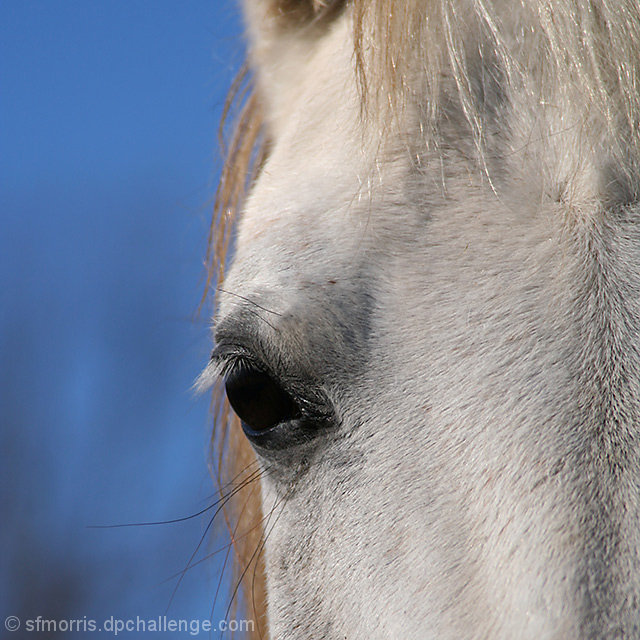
x,y
431,326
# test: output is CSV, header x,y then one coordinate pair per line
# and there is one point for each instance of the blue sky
x,y
108,163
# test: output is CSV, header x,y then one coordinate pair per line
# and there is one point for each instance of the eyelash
x,y
275,412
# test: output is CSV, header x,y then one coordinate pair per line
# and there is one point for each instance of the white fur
x,y
473,313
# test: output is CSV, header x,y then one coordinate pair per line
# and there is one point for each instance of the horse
x,y
426,264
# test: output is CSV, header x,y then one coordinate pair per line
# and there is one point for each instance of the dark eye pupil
x,y
259,401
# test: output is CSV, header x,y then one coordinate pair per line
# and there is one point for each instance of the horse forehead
x,y
307,85
316,214
324,162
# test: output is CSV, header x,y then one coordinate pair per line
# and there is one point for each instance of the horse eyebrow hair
x,y
236,331
255,304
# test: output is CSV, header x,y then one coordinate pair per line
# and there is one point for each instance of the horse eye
x,y
258,400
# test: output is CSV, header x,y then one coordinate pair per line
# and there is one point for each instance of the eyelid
x,y
228,355
224,358
235,338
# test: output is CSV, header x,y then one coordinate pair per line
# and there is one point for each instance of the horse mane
x,y
233,462
417,53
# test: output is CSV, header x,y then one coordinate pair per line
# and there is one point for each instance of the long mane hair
x,y
410,54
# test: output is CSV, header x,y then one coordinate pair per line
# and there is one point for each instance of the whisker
x,y
257,315
255,304
211,554
149,524
234,539
261,551
198,562
256,554
222,502
173,520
